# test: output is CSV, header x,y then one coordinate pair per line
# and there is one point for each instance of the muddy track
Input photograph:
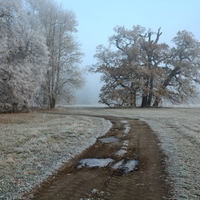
x,y
135,171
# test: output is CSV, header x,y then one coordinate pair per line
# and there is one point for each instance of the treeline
x,y
39,54
139,70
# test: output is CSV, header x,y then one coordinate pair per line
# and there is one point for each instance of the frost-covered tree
x,y
137,66
182,70
59,28
23,57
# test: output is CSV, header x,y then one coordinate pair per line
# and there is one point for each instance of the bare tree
x,y
59,28
136,66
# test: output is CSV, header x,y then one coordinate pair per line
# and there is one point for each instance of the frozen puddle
x,y
126,126
123,150
126,166
124,121
109,139
101,162
95,162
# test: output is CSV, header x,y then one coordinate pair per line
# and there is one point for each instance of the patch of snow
x,y
126,166
124,121
127,128
95,162
123,150
109,139
118,165
130,165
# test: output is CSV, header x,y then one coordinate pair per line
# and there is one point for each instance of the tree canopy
x,y
39,54
59,27
138,69
23,52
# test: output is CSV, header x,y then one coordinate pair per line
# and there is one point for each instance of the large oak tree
x,y
137,67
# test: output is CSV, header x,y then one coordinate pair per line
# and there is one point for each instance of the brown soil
x,y
145,182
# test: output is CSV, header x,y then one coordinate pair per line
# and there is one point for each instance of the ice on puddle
x,y
98,192
118,165
94,190
130,165
109,139
127,128
124,121
95,162
125,143
121,152
126,166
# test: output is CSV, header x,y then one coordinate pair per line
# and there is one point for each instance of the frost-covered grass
x,y
34,145
178,130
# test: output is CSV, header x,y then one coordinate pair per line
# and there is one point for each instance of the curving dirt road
x,y
124,164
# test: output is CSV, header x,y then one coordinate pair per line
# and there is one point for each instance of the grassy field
x,y
34,145
178,130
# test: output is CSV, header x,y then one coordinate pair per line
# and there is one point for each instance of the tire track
x,y
124,182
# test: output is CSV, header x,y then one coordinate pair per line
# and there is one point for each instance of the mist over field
x,y
62,65
89,94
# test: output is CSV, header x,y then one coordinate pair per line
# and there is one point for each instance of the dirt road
x,y
124,164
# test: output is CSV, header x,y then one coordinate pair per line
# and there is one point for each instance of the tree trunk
x,y
14,106
133,99
173,73
144,102
52,102
156,102
149,101
150,96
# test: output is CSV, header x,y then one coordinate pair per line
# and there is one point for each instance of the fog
x,y
96,20
89,94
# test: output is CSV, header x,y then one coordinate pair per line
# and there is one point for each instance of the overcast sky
x,y
97,18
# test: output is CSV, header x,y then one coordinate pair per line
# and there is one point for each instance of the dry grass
x,y
178,130
34,145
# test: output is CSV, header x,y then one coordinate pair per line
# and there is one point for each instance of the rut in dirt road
x,y
124,164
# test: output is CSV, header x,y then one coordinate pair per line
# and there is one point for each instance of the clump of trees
x,y
137,69
39,54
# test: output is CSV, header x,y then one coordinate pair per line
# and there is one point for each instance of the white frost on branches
x,y
23,56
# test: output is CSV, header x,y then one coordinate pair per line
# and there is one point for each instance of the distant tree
x,y
136,66
59,28
23,58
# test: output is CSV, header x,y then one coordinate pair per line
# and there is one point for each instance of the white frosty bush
x,y
23,57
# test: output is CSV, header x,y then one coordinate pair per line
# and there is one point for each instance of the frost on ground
x,y
34,145
178,130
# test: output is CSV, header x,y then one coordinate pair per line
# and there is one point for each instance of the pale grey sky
x,y
97,18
